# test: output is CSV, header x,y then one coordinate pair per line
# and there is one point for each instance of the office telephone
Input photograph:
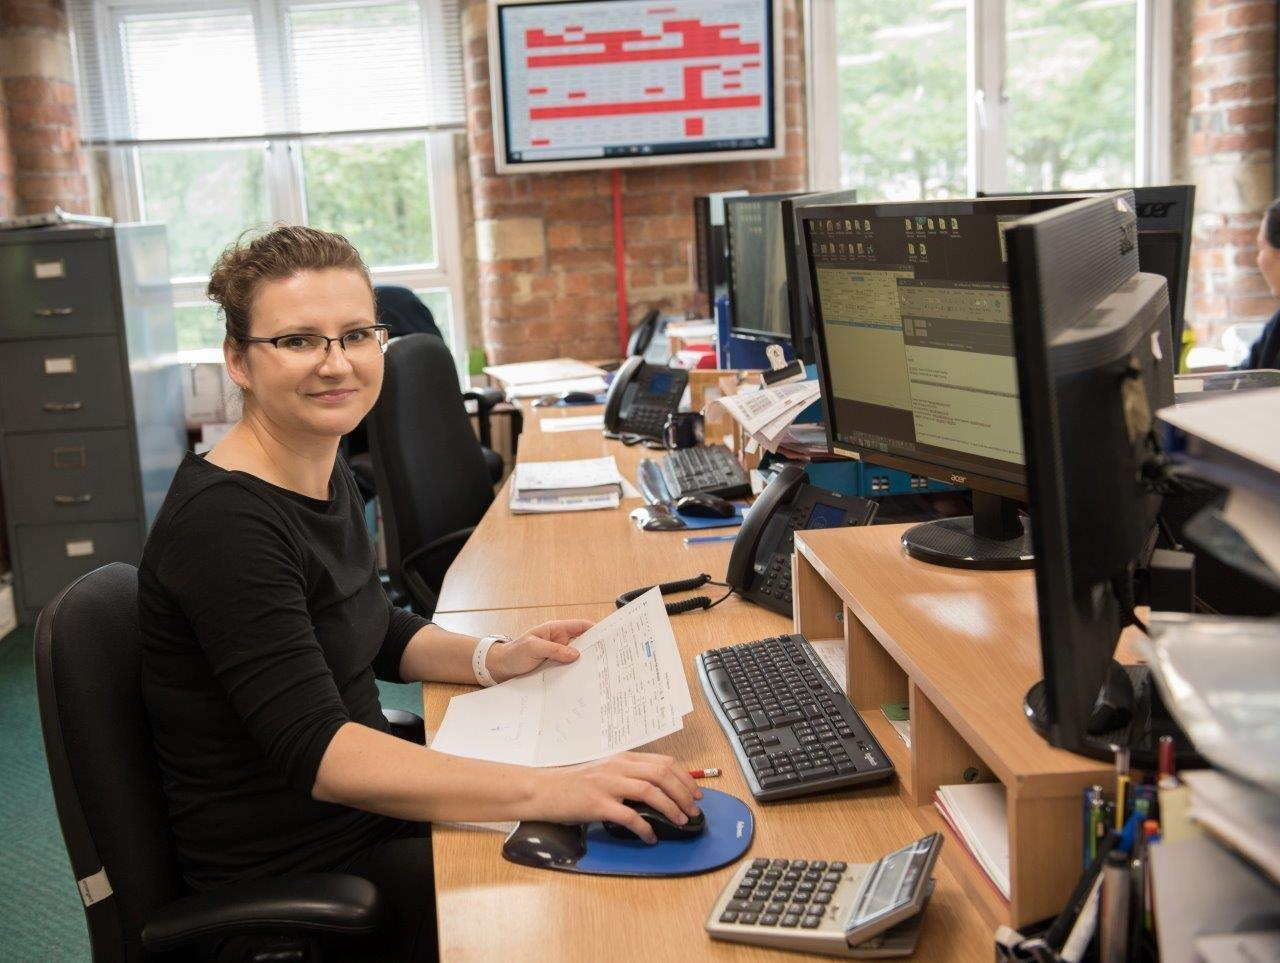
x,y
641,397
760,566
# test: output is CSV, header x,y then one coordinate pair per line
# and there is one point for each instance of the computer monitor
x,y
915,353
1094,363
620,83
799,286
711,248
1164,240
759,298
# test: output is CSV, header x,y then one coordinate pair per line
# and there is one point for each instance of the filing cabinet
x,y
91,421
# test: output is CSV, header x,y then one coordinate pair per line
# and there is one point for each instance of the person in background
x,y
1265,352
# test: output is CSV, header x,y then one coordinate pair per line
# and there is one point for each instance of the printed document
x,y
533,372
626,690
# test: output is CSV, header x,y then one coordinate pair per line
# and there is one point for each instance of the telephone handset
x,y
760,566
641,397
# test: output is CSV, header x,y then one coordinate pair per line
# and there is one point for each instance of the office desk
x,y
571,558
489,909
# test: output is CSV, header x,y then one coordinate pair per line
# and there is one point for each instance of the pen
x,y
704,773
1122,786
1166,756
702,539
1113,939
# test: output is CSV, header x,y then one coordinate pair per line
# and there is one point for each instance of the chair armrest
x,y
406,725
461,535
333,903
485,397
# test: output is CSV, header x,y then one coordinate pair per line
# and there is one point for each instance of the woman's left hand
x,y
550,640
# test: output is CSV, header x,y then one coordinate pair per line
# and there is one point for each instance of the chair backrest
x,y
431,476
102,763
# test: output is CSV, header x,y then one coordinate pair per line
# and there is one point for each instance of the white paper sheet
x,y
531,477
572,423
536,389
532,372
627,689
756,410
1241,422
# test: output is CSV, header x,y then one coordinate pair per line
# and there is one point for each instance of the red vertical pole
x,y
620,260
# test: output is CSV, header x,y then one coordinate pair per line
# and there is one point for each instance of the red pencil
x,y
704,773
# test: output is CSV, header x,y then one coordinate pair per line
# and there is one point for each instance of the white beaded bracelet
x,y
483,676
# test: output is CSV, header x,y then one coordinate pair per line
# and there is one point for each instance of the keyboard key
x,y
810,922
790,920
826,887
779,779
839,867
723,687
748,919
769,919
822,898
742,892
755,906
728,916
737,905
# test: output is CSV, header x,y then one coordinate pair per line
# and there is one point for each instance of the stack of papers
x,y
627,689
532,379
1243,816
766,413
566,486
978,814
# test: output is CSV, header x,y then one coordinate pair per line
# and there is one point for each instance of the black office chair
x,y
430,473
115,821
404,313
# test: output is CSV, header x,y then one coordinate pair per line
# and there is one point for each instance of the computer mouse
x,y
577,397
705,505
662,827
656,518
542,844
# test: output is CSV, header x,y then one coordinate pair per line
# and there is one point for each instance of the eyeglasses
x,y
357,343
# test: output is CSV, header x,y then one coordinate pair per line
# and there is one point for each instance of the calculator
x,y
855,910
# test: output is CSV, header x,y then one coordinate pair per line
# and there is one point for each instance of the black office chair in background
x,y
115,820
404,313
430,472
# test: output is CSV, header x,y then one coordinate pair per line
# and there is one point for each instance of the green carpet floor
x,y
40,914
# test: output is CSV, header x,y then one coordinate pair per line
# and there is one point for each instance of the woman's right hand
x,y
595,791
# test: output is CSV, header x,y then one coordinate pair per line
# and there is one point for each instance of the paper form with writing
x,y
627,689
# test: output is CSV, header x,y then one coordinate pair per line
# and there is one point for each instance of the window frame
x,y
285,179
987,120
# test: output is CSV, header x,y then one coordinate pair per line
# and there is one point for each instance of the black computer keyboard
x,y
792,728
705,468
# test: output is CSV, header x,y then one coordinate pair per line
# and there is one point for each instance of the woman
x,y
264,624
1265,352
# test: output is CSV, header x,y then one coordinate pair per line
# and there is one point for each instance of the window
x,y
943,98
247,112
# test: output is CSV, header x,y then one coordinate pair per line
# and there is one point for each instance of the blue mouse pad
x,y
694,522
730,827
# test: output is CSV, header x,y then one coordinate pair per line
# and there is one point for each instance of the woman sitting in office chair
x,y
1265,352
264,625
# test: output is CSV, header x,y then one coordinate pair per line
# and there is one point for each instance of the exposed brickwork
x,y
562,300
1230,146
41,163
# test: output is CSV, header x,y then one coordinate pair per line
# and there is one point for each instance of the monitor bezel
x,y
800,291
973,478
753,334
497,90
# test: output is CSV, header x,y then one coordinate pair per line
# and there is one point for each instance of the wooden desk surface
x,y
571,558
542,914
968,638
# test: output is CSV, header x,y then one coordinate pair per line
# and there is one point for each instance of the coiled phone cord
x,y
683,585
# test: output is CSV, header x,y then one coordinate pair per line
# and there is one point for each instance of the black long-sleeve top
x,y
1265,351
263,624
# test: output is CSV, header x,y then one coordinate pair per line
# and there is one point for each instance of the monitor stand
x,y
1129,712
993,537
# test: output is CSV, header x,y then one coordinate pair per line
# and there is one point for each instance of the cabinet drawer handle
x,y
84,499
57,406
52,312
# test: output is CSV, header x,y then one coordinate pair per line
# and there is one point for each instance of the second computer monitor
x,y
913,327
758,294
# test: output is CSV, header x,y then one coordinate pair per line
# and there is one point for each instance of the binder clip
x,y
780,371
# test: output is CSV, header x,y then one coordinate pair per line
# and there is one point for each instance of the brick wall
x,y
41,163
1230,158
544,242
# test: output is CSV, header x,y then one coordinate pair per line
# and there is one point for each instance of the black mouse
x,y
705,505
577,397
662,827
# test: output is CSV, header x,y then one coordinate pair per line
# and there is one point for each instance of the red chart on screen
x,y
664,74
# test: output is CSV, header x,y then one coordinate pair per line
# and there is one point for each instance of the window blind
x,y
157,71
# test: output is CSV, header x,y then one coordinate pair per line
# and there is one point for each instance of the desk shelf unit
x,y
962,647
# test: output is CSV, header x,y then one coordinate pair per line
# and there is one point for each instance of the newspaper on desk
x,y
627,689
766,414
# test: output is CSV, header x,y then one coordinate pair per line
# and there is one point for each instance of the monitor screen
x,y
798,268
914,321
603,83
758,295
